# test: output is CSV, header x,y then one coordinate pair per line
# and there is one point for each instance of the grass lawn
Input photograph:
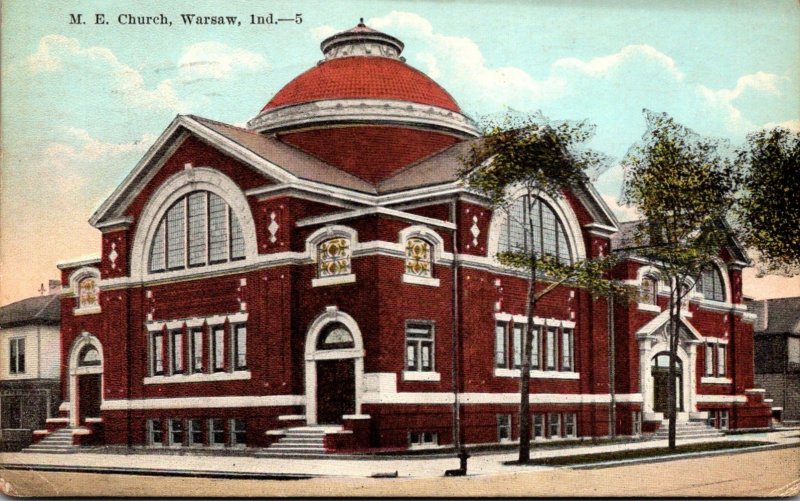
x,y
640,453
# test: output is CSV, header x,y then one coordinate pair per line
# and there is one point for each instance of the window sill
x,y
334,280
86,310
413,279
648,307
538,374
198,378
716,380
421,376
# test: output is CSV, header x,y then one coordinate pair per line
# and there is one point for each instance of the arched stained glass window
x,y
335,336
87,292
547,237
199,229
89,356
334,257
710,284
418,258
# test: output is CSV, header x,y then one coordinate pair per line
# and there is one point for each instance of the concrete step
x,y
297,446
293,440
296,455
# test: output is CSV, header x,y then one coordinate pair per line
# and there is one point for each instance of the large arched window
x,y
197,230
711,285
548,236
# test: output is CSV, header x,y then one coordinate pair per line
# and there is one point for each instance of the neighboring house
x,y
29,367
325,266
777,353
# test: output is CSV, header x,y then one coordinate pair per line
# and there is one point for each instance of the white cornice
x,y
78,262
370,111
113,224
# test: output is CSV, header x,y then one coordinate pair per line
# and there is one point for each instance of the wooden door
x,y
89,396
336,390
660,390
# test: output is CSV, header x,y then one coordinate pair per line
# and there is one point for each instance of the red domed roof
x,y
365,78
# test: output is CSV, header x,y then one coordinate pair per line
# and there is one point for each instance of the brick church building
x,y
323,269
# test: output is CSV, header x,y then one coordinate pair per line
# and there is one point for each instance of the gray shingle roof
x,y
782,315
33,310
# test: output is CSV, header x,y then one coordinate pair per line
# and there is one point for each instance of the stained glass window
x,y
199,229
87,292
418,258
534,227
334,257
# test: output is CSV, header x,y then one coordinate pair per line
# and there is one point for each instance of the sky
x,y
81,103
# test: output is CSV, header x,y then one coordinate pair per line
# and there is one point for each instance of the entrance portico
x,y
653,340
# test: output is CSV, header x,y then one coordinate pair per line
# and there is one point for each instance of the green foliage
x,y
769,208
684,186
532,153
591,274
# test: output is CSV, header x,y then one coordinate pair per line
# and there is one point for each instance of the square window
x,y
570,429
175,431
538,426
567,350
238,432
501,345
419,347
17,356
195,431
554,425
418,258
240,346
517,345
550,347
504,427
218,348
216,432
723,420
197,349
157,354
176,351
154,432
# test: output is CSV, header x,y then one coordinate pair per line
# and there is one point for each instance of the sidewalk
x,y
254,467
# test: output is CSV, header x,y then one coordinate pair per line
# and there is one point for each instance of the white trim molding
x,y
539,374
198,377
721,399
421,376
715,380
203,402
362,111
173,189
312,354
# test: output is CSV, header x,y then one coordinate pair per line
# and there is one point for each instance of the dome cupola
x,y
363,109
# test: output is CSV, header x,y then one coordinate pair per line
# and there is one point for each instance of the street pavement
x,y
480,464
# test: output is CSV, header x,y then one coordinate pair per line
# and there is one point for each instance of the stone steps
x,y
307,441
687,430
57,442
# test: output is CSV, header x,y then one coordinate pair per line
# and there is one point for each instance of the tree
x,y
683,186
523,158
769,204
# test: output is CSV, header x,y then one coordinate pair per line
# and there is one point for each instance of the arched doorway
x,y
336,390
334,368
659,367
85,379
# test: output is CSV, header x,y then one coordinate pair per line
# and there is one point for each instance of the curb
x,y
160,472
674,457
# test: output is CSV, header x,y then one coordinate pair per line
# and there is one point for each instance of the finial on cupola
x,y
361,21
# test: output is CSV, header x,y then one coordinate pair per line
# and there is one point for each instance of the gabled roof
x,y
440,168
625,238
44,310
781,315
660,322
264,154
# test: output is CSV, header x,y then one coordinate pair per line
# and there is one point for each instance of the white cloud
x,y
217,61
792,125
320,33
631,54
623,212
58,53
723,100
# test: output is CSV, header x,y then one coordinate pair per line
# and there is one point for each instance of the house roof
x,y
781,315
44,310
288,158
